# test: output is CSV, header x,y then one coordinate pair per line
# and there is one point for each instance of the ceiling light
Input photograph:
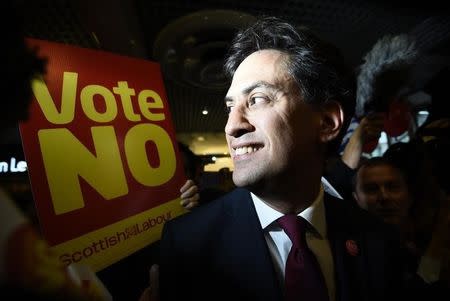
x,y
205,112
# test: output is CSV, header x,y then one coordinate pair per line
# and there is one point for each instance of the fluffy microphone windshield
x,y
385,71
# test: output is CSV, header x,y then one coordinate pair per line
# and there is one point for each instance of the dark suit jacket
x,y
218,252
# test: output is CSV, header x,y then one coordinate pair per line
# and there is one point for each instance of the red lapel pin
x,y
352,247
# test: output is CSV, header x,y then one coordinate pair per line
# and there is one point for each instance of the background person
x,y
383,188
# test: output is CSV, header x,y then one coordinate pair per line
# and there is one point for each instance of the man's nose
x,y
238,122
383,195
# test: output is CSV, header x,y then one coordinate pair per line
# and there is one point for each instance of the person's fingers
x,y
151,293
188,184
189,195
145,296
192,200
154,283
376,116
191,205
375,120
372,133
376,124
371,129
189,192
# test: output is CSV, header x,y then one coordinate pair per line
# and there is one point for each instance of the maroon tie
x,y
303,276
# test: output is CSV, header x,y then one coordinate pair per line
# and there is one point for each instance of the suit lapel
x,y
253,266
346,243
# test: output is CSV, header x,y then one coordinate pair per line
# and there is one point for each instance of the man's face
x,y
382,190
271,133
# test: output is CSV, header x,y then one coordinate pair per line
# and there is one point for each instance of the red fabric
x,y
303,276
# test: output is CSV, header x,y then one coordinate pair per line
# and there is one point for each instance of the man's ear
x,y
332,120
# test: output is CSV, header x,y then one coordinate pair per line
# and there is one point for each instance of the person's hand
x,y
370,127
151,293
368,130
189,195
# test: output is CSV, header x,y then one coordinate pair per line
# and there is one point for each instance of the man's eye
x,y
254,100
228,108
394,186
370,189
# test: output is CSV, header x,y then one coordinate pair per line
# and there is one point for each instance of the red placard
x,y
101,152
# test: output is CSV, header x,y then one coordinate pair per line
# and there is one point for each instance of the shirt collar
x,y
314,214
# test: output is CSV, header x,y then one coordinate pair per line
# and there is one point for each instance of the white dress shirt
x,y
279,243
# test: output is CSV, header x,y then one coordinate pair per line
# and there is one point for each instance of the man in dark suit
x,y
289,99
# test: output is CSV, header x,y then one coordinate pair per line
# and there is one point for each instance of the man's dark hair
x,y
318,67
374,162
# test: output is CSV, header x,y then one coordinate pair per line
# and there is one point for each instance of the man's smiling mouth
x,y
246,150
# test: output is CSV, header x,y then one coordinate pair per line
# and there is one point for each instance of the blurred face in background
x,y
383,191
